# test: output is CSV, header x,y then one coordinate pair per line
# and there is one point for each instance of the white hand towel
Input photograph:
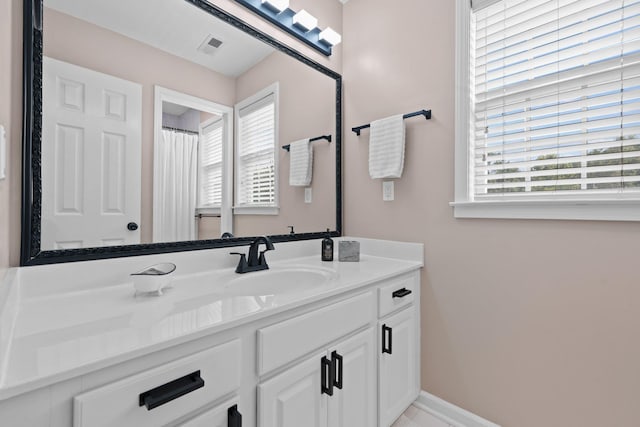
x,y
301,163
386,147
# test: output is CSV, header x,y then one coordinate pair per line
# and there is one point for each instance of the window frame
x,y
578,207
263,209
200,207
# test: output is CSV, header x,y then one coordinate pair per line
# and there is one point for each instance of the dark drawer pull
x,y
327,376
170,391
336,360
234,418
387,349
401,293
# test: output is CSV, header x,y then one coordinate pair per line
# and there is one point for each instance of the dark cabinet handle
x,y
401,293
170,391
234,418
327,376
336,360
132,226
387,349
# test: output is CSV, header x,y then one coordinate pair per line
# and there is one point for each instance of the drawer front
x,y
170,387
397,293
216,417
287,341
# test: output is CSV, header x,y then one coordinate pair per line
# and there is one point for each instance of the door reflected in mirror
x,y
162,123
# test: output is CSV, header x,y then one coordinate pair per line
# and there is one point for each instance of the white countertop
x,y
69,330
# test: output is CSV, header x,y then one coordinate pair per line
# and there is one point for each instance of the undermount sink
x,y
279,281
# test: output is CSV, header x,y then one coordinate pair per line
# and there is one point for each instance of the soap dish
x,y
154,278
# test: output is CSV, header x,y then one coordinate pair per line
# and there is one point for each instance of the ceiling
x,y
174,26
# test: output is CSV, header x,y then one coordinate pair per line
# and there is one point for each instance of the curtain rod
x,y
317,138
425,113
180,130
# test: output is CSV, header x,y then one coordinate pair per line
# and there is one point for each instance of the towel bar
x,y
317,138
425,113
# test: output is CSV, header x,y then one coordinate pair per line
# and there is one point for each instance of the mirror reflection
x,y
165,124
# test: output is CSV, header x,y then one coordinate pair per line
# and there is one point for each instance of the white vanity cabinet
x,y
398,347
333,388
336,385
349,359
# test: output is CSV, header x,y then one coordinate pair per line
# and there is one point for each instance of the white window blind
x,y
555,99
210,153
256,153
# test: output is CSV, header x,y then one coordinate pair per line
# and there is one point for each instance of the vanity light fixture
x,y
329,36
277,5
305,20
301,25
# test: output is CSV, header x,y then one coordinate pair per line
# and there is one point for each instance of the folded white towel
x,y
386,147
301,163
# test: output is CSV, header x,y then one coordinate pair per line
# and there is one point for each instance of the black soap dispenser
x,y
327,248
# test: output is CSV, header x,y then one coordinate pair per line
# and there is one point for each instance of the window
x,y
256,167
210,165
548,121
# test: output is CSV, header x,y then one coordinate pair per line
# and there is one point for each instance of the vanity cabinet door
x,y
294,398
353,403
398,365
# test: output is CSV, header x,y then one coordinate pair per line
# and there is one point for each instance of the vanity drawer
x,y
397,293
286,341
177,389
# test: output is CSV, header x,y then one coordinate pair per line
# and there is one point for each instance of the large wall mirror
x,y
169,125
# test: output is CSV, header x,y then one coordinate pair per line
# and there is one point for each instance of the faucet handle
x,y
261,259
242,264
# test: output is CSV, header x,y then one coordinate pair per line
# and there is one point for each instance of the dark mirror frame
x,y
30,253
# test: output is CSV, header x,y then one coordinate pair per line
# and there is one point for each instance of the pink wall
x,y
526,323
306,105
146,65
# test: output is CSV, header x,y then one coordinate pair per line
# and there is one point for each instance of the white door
x,y
91,158
354,404
294,398
398,365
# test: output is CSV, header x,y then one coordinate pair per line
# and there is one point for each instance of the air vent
x,y
210,45
214,42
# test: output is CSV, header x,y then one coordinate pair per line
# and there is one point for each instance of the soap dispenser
x,y
327,247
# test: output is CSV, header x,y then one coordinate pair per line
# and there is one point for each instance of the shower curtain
x,y
175,181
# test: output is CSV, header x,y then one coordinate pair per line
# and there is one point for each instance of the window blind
x,y
210,153
256,153
555,98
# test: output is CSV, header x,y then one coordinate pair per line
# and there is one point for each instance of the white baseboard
x,y
449,413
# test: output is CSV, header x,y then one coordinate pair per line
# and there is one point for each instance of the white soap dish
x,y
153,279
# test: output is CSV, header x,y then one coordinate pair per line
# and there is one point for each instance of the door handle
x,y
386,349
401,293
234,418
132,226
336,359
327,376
170,391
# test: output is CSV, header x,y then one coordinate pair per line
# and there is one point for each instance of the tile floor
x,y
414,417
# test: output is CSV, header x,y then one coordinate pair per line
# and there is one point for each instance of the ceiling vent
x,y
210,45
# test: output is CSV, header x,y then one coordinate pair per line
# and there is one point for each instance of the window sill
x,y
207,211
256,210
589,210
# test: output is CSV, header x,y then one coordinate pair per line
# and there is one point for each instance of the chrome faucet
x,y
253,261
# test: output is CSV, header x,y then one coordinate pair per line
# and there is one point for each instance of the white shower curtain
x,y
175,181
